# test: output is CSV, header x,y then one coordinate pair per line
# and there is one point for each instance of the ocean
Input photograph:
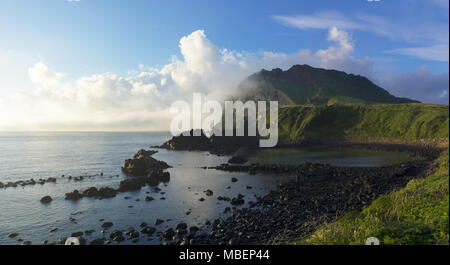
x,y
98,157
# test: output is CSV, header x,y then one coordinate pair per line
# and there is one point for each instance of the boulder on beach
x,y
97,241
77,234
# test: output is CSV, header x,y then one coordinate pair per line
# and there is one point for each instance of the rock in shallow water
x,y
46,199
107,224
142,163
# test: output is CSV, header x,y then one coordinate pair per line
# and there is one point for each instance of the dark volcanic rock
x,y
237,200
154,177
74,195
189,141
148,230
130,184
106,192
26,182
181,226
142,163
107,224
208,192
97,241
92,192
222,145
46,199
12,235
77,234
144,153
116,235
321,193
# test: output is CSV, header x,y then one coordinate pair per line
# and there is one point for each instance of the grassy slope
x,y
416,214
386,122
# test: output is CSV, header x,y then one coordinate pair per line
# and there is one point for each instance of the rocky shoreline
x,y
320,193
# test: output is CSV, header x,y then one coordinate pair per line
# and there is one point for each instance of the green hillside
x,y
303,84
416,214
381,122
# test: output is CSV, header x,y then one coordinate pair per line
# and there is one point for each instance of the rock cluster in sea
x,y
143,169
22,183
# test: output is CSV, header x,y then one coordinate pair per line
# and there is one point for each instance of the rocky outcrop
x,y
153,178
144,169
142,164
221,145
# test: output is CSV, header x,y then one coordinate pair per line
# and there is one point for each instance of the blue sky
x,y
397,41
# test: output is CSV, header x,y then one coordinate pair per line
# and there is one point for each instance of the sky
x,y
119,65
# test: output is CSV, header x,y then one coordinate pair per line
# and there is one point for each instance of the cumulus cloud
x,y
141,100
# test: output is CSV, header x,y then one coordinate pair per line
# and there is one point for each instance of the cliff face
x,y
303,84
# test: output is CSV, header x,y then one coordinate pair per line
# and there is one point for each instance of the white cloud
x,y
322,20
430,40
340,52
435,52
141,99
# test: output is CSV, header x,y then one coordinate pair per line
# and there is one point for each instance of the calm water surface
x,y
37,155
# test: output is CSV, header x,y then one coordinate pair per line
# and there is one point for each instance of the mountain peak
x,y
303,84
